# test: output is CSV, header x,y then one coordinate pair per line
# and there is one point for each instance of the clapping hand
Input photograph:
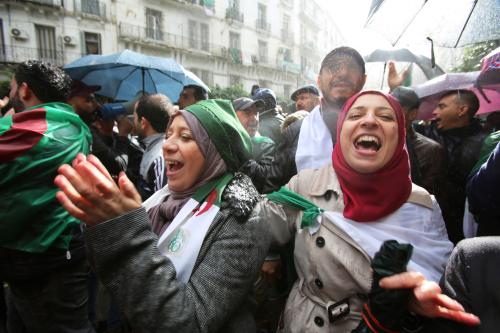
x,y
89,193
427,299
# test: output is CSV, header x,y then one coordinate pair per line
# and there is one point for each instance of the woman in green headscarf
x,y
185,260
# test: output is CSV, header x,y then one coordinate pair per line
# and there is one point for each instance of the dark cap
x,y
406,97
244,103
78,88
310,88
267,96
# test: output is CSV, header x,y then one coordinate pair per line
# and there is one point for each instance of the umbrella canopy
x,y
405,55
122,75
490,69
431,91
450,23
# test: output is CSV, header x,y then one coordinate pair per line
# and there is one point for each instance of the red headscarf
x,y
371,196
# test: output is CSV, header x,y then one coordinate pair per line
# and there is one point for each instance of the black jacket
x,y
271,175
471,278
427,161
462,147
270,124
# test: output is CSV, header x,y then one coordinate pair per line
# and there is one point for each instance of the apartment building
x,y
275,43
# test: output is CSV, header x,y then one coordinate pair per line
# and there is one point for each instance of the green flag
x,y
33,144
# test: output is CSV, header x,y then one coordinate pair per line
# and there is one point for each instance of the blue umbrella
x,y
122,75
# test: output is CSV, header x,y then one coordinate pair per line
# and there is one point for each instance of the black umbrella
x,y
405,55
450,23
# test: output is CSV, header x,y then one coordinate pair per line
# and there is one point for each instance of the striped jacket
x,y
216,299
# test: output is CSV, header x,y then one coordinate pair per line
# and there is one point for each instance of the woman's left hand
x,y
427,299
89,193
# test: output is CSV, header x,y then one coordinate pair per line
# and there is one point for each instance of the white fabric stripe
x,y
192,233
182,240
315,146
413,224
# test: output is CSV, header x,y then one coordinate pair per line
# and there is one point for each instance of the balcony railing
x,y
262,25
148,35
234,14
16,54
53,3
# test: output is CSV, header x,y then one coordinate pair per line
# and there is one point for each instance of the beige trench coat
x,y
331,267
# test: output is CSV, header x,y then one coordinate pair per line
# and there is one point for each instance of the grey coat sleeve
x,y
124,254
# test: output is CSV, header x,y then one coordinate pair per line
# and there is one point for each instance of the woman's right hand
x,y
427,299
89,193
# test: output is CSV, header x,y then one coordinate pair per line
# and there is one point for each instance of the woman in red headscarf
x,y
345,211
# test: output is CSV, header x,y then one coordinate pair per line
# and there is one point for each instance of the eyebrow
x,y
378,108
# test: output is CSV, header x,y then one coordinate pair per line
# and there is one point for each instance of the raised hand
x,y
395,79
89,193
427,299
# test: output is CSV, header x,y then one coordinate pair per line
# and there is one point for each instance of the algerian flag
x,y
412,223
181,242
33,144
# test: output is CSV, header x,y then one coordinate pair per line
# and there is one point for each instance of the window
x,y
234,40
46,42
206,77
286,90
153,24
234,80
235,5
205,37
261,15
193,34
90,7
92,43
285,33
262,51
287,55
235,47
2,42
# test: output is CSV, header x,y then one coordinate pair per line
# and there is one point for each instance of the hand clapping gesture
x,y
89,193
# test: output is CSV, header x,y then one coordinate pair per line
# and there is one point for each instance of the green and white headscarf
x,y
181,238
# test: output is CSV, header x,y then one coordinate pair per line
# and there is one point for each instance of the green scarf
x,y
293,200
33,144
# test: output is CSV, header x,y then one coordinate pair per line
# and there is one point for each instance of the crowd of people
x,y
210,215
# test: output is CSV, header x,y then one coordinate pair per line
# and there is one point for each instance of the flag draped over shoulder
x,y
33,144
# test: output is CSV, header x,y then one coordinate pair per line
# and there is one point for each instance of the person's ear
x,y
144,123
363,80
412,114
463,111
24,91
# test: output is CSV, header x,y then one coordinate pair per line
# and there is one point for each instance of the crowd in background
x,y
100,207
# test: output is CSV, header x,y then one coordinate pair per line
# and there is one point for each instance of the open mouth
x,y
173,166
367,142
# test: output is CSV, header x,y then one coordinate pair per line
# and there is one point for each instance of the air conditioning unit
x,y
69,40
18,34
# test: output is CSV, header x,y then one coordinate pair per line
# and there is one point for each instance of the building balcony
x,y
52,3
148,35
234,15
290,67
287,37
94,8
287,3
262,26
17,54
308,47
